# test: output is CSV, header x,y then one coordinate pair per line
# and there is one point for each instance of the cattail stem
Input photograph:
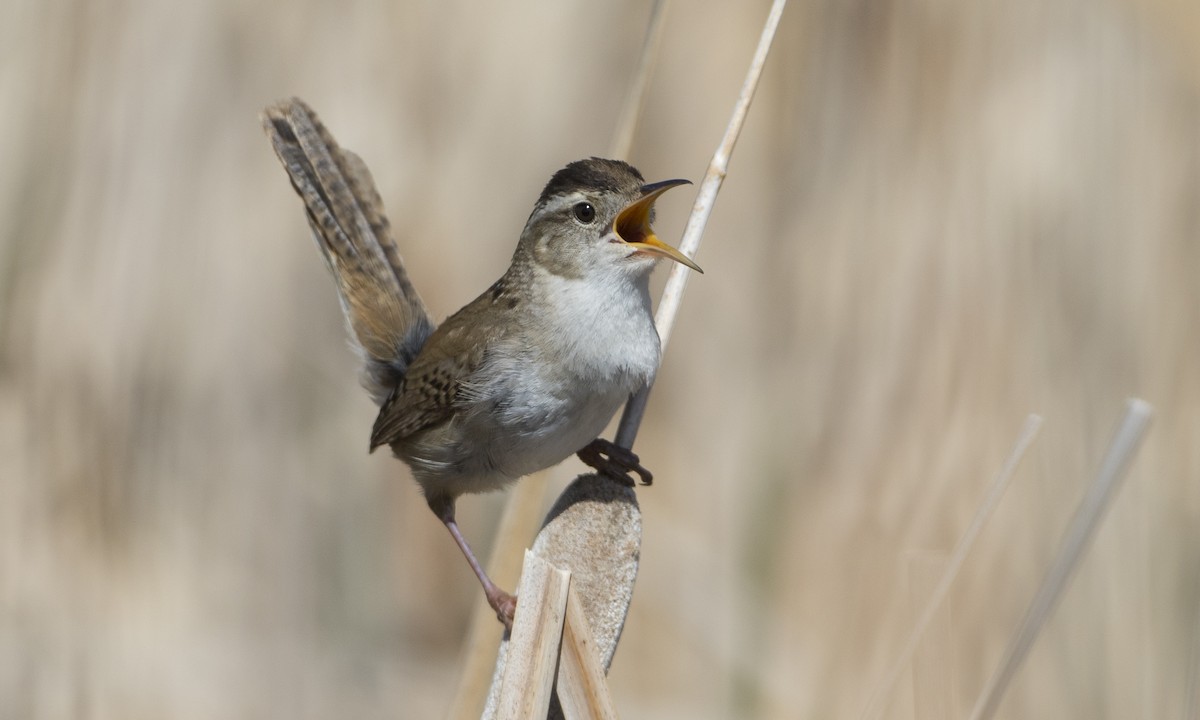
x,y
706,197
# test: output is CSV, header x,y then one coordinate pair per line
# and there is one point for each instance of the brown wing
x,y
425,398
439,379
384,311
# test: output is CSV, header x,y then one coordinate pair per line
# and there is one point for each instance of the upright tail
x,y
386,316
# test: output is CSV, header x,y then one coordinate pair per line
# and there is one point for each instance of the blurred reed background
x,y
941,217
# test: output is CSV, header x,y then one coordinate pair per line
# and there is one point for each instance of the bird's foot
x,y
504,604
614,461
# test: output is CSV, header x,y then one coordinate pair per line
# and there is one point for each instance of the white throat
x,y
603,325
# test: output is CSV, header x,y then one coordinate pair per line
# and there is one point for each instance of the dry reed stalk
x,y
551,641
536,635
933,686
877,702
1191,704
706,197
518,522
1079,534
581,686
635,101
593,530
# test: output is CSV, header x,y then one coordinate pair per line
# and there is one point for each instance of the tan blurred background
x,y
941,217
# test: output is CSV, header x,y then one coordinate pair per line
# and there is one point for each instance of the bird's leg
x,y
614,461
503,603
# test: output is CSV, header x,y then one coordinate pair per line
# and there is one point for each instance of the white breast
x,y
555,384
546,389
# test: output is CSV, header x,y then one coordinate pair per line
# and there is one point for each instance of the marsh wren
x,y
528,373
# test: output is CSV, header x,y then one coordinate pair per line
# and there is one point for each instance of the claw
x,y
615,461
505,606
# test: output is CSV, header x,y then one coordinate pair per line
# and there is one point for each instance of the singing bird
x,y
528,373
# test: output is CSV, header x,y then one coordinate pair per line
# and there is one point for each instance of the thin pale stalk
x,y
533,645
631,114
522,514
877,702
1191,707
581,685
933,692
1080,532
706,197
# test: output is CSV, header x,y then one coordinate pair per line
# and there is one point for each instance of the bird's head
x,y
594,216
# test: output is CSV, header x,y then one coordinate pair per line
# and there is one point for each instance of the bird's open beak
x,y
633,224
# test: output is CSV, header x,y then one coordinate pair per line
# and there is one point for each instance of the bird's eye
x,y
584,213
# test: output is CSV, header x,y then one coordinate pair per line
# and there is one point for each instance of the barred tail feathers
x,y
384,312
